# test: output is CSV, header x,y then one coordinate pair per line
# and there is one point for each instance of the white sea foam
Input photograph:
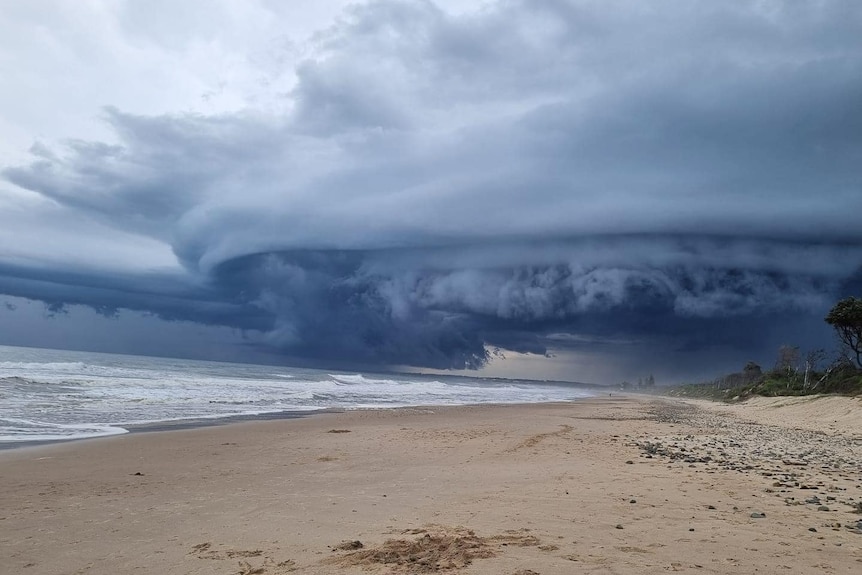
x,y
71,394
20,430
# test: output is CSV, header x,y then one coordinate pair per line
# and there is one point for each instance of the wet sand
x,y
607,485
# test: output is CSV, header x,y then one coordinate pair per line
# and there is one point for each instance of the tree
x,y
812,360
846,318
788,359
751,373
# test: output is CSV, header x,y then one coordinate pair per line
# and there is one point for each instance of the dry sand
x,y
610,485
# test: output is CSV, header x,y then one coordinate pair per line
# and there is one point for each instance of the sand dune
x,y
829,413
610,485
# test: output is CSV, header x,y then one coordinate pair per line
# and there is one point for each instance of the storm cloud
x,y
534,176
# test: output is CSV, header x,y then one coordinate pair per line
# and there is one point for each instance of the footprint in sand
x,y
269,564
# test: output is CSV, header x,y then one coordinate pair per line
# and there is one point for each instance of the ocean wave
x,y
16,380
48,366
71,399
76,371
358,379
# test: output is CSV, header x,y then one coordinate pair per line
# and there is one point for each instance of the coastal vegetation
x,y
840,377
793,373
846,318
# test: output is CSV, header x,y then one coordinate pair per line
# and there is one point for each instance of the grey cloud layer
x,y
532,168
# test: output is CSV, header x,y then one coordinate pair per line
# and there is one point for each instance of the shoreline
x,y
217,421
168,425
618,484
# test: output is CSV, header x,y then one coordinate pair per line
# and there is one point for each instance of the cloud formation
x,y
434,184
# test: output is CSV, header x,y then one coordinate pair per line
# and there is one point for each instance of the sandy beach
x,y
606,485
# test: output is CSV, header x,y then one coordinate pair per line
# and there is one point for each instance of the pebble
x,y
787,459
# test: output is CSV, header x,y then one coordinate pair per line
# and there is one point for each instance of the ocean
x,y
50,395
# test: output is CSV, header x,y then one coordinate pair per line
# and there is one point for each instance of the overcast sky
x,y
592,190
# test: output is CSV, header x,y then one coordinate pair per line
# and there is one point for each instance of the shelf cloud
x,y
533,176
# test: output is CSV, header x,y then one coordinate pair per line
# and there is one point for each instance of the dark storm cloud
x,y
166,296
436,308
442,184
